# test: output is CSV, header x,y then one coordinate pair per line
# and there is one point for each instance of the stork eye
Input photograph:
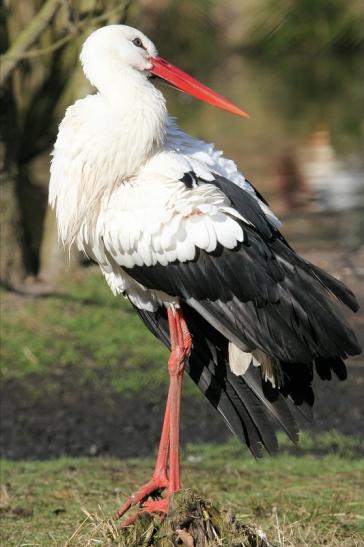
x,y
138,43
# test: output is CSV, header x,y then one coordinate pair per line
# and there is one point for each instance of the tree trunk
x,y
12,261
12,267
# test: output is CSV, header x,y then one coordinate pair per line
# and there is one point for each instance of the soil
x,y
70,416
86,422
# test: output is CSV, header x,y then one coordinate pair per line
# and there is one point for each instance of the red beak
x,y
183,82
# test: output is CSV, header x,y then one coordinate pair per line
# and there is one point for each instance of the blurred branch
x,y
15,53
29,35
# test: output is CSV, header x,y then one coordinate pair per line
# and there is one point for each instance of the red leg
x,y
181,347
181,344
159,479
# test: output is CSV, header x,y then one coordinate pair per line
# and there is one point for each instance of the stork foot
x,y
152,488
159,507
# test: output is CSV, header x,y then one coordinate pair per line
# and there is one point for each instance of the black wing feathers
x,y
260,294
239,400
242,202
259,299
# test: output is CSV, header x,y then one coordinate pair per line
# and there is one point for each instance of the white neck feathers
x,y
102,142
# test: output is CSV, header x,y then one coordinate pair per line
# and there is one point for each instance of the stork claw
x,y
152,488
152,506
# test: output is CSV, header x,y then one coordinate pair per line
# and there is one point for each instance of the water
x,y
303,145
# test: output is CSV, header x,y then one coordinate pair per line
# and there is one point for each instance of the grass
x,y
295,500
85,324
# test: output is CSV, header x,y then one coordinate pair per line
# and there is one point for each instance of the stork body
x,y
179,231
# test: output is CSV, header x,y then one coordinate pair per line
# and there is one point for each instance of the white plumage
x,y
116,175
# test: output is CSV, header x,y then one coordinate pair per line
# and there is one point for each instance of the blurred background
x,y
80,373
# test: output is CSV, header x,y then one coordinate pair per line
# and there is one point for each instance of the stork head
x,y
116,48
114,52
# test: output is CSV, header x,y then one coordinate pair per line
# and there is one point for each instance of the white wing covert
x,y
158,219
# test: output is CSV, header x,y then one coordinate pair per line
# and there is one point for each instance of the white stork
x,y
179,231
